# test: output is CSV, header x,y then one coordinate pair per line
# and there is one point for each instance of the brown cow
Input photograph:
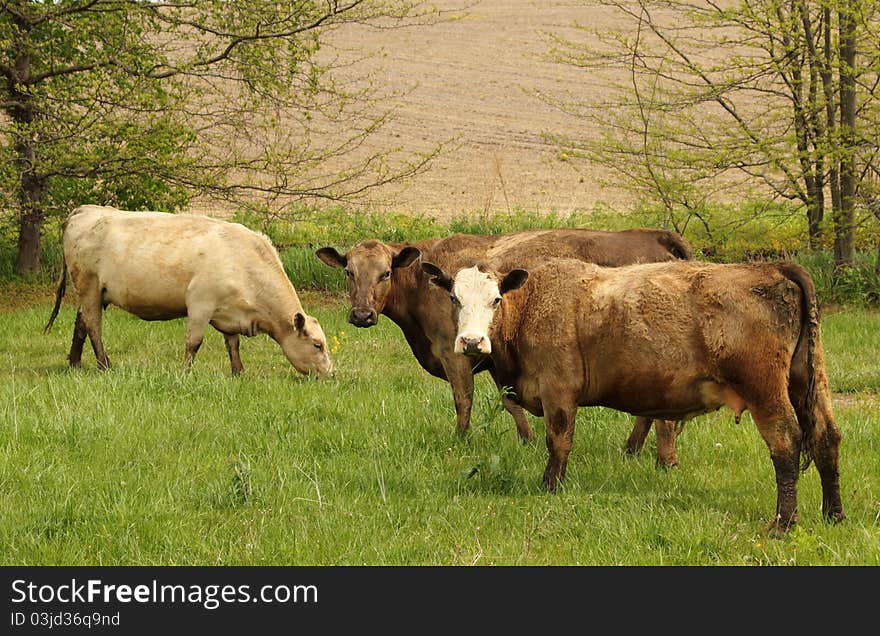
x,y
161,266
668,340
380,281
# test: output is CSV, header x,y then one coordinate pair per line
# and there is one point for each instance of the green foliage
x,y
858,285
701,98
501,223
735,232
753,230
307,272
107,135
340,227
147,105
723,233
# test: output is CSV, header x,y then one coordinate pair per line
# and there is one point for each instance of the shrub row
x,y
749,231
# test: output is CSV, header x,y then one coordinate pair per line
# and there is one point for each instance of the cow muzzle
x,y
363,317
473,345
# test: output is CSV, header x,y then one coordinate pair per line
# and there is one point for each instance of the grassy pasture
x,y
147,465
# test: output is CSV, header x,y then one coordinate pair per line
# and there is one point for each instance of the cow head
x,y
476,294
305,346
369,268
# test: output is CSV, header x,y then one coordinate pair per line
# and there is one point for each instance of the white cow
x,y
161,266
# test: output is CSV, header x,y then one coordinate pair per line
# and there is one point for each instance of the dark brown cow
x,y
667,340
380,281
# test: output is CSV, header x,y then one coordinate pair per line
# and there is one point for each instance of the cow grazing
x,y
381,281
669,340
161,266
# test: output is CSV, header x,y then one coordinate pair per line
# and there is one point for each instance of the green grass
x,y
147,465
852,344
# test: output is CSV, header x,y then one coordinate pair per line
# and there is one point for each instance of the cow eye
x,y
385,275
349,273
319,346
454,299
496,301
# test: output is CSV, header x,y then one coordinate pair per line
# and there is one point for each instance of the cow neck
x,y
279,312
508,323
401,304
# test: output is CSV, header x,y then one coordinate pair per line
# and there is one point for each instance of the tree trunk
x,y
830,109
31,192
815,213
28,260
844,252
32,186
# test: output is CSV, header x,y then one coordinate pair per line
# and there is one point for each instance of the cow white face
x,y
476,296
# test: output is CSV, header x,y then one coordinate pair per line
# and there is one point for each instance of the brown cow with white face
x,y
669,340
161,266
381,281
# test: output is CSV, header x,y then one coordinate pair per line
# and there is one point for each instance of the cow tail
x,y
676,245
808,338
59,293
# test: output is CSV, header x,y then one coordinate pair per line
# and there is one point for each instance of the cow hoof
x,y
551,483
834,517
778,529
666,464
528,438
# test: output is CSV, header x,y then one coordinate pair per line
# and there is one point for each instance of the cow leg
x,y
824,436
637,437
665,432
232,340
91,312
461,379
196,324
79,339
560,433
525,431
779,427
825,450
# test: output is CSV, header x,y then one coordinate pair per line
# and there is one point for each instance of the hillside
x,y
471,81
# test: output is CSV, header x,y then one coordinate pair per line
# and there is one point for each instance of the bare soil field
x,y
471,82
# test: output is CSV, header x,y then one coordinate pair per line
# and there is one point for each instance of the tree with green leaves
x,y
774,96
146,104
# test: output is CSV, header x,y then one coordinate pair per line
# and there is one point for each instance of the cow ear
x,y
438,276
514,279
405,257
299,322
331,257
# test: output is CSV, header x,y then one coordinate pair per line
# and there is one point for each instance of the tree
x,y
147,104
778,95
